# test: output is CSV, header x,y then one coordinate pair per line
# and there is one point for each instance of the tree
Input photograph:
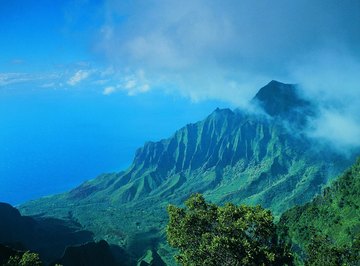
x,y
322,250
207,234
27,259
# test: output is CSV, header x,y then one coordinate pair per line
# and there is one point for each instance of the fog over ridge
x,y
228,50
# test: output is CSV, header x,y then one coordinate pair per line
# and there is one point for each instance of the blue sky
x,y
84,83
37,33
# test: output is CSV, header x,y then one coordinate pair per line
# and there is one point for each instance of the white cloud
x,y
109,90
139,89
341,130
10,78
135,83
130,83
34,79
199,47
79,76
48,85
330,78
204,49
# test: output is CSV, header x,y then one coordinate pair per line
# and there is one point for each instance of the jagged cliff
x,y
256,158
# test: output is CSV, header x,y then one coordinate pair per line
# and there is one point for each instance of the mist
x,y
228,50
330,80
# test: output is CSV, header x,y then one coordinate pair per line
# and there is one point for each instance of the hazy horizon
x,y
69,144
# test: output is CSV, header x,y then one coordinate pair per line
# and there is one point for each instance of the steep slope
x,y
52,239
90,254
335,213
280,99
151,258
229,156
283,101
47,236
7,252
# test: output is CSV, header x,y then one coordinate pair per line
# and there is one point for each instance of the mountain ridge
x,y
229,156
285,102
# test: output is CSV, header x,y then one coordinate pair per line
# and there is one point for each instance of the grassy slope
x,y
335,213
229,156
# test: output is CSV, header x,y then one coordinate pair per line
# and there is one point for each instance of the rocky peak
x,y
280,99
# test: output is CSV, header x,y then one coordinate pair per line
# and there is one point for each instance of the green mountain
x,y
255,158
334,214
44,235
53,239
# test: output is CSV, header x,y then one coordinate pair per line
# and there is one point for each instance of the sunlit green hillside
x,y
232,156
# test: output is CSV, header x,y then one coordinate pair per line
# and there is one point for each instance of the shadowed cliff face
x,y
90,254
279,99
6,252
47,236
229,156
55,240
284,101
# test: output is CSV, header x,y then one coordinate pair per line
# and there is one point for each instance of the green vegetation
x,y
151,258
228,157
323,251
231,156
27,259
47,236
326,231
207,234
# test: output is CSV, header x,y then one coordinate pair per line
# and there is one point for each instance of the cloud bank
x,y
227,50
194,44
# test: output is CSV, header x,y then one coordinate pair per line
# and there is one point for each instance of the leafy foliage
x,y
322,251
27,259
326,231
206,234
231,156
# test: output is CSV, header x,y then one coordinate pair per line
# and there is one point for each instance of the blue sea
x,y
52,141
